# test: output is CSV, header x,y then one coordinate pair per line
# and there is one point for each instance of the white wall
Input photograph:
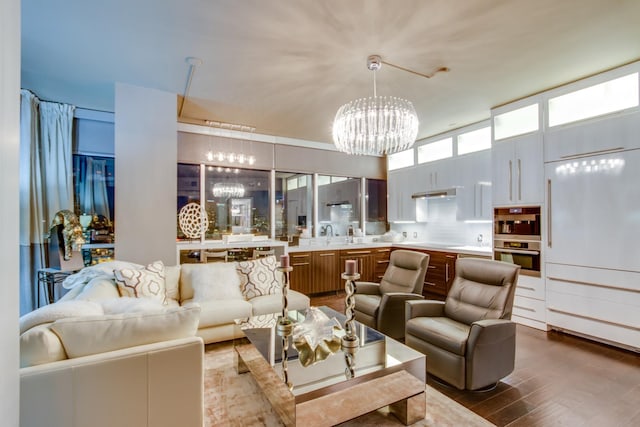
x,y
9,209
146,175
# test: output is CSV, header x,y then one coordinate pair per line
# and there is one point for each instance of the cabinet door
x,y
502,155
529,170
474,186
400,186
326,274
300,276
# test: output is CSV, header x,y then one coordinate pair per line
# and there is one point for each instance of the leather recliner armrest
x,y
367,288
424,308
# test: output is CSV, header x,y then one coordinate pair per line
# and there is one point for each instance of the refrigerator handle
x,y
549,213
519,179
510,180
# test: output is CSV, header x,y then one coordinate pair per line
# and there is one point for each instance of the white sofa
x,y
125,345
154,385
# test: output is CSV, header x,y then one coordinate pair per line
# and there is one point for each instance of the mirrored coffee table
x,y
387,373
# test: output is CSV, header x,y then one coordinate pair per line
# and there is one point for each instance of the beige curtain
x,y
46,184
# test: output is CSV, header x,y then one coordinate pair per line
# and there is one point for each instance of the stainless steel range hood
x,y
447,192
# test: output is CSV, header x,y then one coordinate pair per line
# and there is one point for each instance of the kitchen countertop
x,y
461,249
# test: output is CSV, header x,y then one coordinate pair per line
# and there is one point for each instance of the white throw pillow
x,y
98,334
172,281
131,305
40,345
216,281
259,277
59,310
147,282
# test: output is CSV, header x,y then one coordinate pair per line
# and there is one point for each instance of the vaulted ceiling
x,y
285,67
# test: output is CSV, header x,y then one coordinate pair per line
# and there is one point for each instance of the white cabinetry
x,y
436,175
401,184
518,171
473,182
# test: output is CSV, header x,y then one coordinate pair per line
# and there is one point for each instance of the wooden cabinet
x,y
325,271
381,262
365,261
300,277
440,273
316,272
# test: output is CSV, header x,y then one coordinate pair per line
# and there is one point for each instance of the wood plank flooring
x,y
559,380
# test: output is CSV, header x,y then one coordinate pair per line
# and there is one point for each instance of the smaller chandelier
x,y
375,126
231,158
228,190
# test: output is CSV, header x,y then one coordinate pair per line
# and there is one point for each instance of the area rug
x,y
236,400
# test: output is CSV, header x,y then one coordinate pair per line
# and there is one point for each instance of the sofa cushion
x,y
147,282
98,289
131,305
273,303
214,313
216,281
368,304
98,334
59,310
40,345
259,277
441,332
172,282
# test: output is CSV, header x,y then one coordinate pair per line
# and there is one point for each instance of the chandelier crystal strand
x,y
375,126
228,189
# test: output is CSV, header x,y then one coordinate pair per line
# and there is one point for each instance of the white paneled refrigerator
x,y
593,246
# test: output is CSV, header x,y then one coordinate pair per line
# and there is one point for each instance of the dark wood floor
x,y
559,380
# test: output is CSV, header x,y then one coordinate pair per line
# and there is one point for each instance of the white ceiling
x,y
284,66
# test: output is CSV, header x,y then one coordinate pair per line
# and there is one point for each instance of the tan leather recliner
x,y
469,339
381,305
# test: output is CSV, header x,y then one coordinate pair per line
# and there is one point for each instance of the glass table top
x,y
377,355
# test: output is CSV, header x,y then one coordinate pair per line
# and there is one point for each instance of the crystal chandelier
x,y
375,126
227,190
230,157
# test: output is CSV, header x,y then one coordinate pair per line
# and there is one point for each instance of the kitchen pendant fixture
x,y
377,125
228,190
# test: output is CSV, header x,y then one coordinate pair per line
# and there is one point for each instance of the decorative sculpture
x,y
350,339
193,220
71,231
284,327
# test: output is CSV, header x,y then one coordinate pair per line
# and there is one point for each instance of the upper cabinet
x,y
517,155
474,192
401,185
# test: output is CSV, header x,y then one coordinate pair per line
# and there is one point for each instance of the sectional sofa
x,y
124,346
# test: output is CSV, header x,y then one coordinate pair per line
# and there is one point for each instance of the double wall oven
x,y
517,237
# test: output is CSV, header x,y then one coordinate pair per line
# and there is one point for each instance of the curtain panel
x,y
46,184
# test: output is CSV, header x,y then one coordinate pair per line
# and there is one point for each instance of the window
x,y
516,122
435,150
237,201
294,203
338,204
376,203
188,189
400,160
94,191
473,141
608,97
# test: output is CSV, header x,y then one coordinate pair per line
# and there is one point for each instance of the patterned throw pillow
x,y
147,282
259,277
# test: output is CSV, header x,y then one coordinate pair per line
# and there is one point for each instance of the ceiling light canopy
x,y
375,126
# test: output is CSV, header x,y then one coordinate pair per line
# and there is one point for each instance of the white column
x,y
146,175
9,210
